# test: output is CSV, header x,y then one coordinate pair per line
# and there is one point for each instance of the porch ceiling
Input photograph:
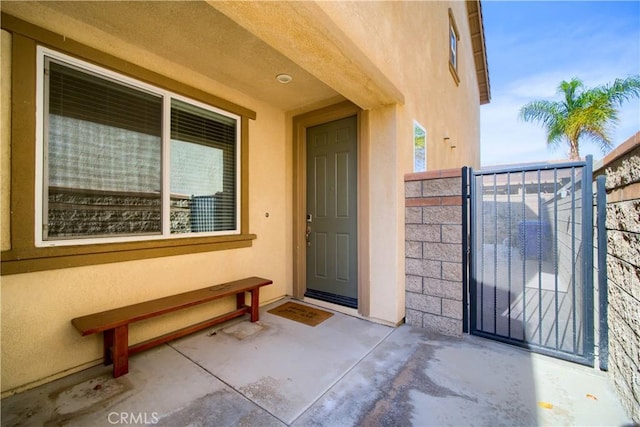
x,y
192,34
305,33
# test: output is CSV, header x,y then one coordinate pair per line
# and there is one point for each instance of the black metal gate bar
x,y
524,265
482,274
555,258
587,260
495,259
473,286
510,237
465,249
573,257
603,286
545,312
539,241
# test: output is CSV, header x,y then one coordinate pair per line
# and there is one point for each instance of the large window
x,y
121,160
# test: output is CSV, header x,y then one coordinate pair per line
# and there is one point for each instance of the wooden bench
x,y
114,324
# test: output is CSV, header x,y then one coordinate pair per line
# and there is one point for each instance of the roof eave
x,y
474,10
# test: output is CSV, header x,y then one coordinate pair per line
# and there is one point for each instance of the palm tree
x,y
583,113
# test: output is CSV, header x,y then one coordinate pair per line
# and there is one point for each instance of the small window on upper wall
x,y
121,160
419,148
453,47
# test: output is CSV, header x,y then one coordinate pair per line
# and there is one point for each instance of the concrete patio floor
x,y
344,372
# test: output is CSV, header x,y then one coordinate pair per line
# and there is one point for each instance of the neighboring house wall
x,y
402,44
569,238
622,170
562,220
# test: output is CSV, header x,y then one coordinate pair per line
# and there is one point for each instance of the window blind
x,y
203,165
103,156
83,96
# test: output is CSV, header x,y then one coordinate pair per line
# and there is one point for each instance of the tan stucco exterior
x,y
389,60
5,140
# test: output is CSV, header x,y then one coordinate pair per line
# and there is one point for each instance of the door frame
x,y
299,128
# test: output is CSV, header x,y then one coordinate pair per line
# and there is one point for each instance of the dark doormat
x,y
301,313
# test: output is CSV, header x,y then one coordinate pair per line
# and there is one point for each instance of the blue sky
x,y
532,47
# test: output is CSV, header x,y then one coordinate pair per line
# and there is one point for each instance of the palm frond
x,y
548,113
620,90
544,112
582,112
571,91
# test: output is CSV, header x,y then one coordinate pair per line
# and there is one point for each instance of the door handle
x,y
307,235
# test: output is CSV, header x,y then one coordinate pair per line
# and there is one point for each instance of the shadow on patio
x,y
345,371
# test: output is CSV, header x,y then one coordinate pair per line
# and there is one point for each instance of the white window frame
x,y
167,96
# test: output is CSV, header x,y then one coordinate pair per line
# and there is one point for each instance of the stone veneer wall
x,y
433,253
622,169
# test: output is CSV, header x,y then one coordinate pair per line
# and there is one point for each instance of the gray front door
x,y
332,244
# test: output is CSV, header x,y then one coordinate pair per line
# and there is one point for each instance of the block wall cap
x,y
444,173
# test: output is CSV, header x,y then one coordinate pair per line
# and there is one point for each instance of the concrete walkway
x,y
343,372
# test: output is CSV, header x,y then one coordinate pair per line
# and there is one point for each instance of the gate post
x,y
466,173
433,251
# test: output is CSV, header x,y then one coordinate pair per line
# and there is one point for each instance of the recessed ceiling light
x,y
284,78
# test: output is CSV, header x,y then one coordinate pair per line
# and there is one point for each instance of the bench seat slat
x,y
110,319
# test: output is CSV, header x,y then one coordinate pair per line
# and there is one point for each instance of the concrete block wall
x,y
433,253
622,169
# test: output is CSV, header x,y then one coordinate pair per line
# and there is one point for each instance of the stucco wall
x,y
418,64
38,341
5,139
408,42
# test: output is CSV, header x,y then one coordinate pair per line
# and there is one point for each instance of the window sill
x,y
51,258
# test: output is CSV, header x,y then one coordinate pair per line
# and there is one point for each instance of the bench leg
x,y
107,345
240,300
120,353
255,304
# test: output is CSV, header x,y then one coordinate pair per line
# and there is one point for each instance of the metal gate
x,y
530,257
